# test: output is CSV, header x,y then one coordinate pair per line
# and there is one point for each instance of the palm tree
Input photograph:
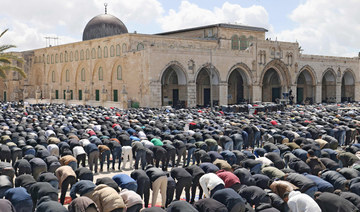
x,y
6,60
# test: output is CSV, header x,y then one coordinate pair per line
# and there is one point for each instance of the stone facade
x,y
227,64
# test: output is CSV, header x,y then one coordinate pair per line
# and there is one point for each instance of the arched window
x,y
99,52
235,42
93,53
112,51
140,46
83,74
61,57
48,59
56,58
87,54
52,59
119,73
76,55
53,76
82,55
100,74
124,47
67,75
66,56
105,52
71,56
118,50
243,43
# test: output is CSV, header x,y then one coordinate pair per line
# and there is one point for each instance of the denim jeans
x,y
116,154
258,141
311,191
105,155
239,146
190,155
229,146
130,186
140,155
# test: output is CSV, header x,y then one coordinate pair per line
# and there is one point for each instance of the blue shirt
x,y
82,187
123,179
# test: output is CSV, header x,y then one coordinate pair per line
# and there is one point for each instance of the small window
x,y
87,54
235,42
99,52
112,51
105,52
118,50
66,56
140,46
100,74
67,75
76,55
48,59
53,76
243,43
71,56
119,73
124,47
61,57
93,53
82,55
52,59
56,58
82,74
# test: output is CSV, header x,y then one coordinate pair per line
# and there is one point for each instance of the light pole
x,y
211,83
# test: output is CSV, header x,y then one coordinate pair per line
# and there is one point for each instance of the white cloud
x,y
191,15
30,21
326,27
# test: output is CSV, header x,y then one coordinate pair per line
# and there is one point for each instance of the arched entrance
x,y
238,90
305,88
204,90
271,87
328,89
173,87
348,87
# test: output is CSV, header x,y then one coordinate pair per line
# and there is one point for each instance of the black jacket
x,y
210,205
154,173
332,202
229,198
245,177
301,181
255,195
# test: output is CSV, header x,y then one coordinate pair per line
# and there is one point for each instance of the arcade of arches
x,y
239,87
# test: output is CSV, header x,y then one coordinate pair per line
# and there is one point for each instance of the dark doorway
x,y
97,95
207,96
276,94
56,94
80,94
116,96
4,96
299,95
175,97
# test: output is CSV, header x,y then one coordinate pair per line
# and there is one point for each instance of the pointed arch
x,y
173,80
328,86
239,80
281,68
348,86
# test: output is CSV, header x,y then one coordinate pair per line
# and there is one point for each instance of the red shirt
x,y
229,178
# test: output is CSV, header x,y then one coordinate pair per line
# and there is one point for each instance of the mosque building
x,y
220,63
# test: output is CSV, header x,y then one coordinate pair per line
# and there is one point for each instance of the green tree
x,y
6,59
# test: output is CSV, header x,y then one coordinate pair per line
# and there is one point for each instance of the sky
x,y
321,27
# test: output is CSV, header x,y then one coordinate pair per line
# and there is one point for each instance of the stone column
x,y
257,93
357,91
338,92
223,93
104,94
318,94
155,93
191,94
86,94
37,94
294,92
124,98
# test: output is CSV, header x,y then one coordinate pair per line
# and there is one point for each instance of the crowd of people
x,y
269,159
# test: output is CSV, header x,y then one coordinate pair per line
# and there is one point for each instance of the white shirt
x,y
300,202
78,150
208,182
84,142
53,149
